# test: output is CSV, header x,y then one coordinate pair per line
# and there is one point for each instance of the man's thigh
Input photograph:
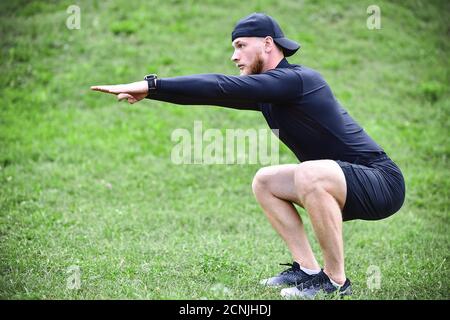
x,y
289,181
321,175
279,181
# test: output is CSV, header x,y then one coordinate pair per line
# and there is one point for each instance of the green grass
x,y
88,182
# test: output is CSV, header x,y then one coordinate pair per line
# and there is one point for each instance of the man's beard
x,y
257,65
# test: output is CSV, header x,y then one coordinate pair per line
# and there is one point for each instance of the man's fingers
x,y
115,89
123,96
133,92
140,87
101,89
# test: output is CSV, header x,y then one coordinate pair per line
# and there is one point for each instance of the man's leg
x,y
274,188
319,186
322,191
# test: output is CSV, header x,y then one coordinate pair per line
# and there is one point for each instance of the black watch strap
x,y
151,80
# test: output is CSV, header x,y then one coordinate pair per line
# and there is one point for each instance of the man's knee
x,y
261,180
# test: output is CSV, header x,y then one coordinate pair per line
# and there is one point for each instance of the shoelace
x,y
291,269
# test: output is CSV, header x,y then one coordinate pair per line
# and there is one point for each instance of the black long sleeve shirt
x,y
294,99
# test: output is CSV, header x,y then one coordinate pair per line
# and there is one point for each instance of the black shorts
x,y
375,190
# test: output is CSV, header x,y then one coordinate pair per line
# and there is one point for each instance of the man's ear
x,y
268,44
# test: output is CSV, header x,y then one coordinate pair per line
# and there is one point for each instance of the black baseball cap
x,y
262,25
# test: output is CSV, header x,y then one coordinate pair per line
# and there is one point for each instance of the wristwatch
x,y
151,80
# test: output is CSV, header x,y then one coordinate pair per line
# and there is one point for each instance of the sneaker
x,y
313,286
291,276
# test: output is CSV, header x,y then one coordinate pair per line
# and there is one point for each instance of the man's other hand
x,y
133,92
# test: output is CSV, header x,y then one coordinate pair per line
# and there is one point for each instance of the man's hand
x,y
133,92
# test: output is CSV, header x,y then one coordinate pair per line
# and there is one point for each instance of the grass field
x,y
87,186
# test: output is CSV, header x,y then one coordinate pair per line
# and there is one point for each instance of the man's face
x,y
248,55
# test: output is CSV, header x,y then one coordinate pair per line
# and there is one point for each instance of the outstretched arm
x,y
240,92
276,85
136,91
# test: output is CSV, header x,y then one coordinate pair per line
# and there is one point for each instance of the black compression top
x,y
294,99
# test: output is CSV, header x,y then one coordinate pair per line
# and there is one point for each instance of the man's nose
x,y
235,57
